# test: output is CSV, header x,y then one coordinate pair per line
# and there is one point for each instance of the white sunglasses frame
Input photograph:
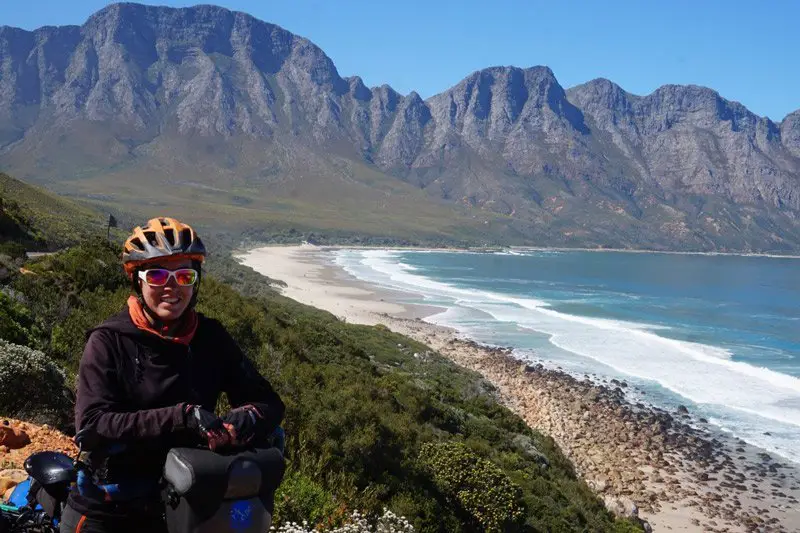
x,y
143,276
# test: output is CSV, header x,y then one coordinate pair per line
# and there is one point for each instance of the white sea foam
x,y
704,374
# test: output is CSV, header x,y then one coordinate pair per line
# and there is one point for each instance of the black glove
x,y
207,426
242,424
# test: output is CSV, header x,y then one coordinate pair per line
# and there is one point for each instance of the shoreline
x,y
488,250
634,456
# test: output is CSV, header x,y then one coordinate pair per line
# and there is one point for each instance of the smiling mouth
x,y
171,300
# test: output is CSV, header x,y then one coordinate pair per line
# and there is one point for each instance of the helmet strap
x,y
158,325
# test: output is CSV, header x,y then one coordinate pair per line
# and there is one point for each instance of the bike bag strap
x,y
115,492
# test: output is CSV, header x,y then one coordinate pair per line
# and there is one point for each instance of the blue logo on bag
x,y
241,515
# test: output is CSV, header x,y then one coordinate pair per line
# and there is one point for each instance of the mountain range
x,y
237,122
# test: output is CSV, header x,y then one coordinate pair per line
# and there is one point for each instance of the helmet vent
x,y
137,243
151,237
170,235
186,236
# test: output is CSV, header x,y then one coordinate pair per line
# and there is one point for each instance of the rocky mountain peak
x,y
790,133
600,93
358,90
489,103
167,87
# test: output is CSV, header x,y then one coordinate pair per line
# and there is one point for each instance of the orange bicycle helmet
x,y
161,237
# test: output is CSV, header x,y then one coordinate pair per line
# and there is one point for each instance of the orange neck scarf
x,y
184,333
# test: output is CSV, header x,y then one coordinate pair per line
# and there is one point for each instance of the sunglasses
x,y
158,277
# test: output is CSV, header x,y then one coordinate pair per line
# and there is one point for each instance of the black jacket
x,y
132,387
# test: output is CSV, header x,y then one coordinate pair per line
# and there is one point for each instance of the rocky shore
x,y
671,469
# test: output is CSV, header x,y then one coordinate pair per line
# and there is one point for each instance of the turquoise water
x,y
719,334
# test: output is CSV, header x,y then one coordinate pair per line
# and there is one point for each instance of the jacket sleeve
x,y
244,385
99,398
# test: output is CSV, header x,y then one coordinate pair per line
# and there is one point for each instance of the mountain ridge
x,y
244,104
116,8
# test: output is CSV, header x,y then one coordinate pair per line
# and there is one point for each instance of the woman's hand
x,y
242,424
210,428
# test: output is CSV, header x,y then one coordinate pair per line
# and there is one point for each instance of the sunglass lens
x,y
156,276
186,277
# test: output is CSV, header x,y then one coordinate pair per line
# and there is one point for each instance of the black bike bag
x,y
212,493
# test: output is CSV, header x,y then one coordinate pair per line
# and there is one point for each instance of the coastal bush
x,y
14,250
89,265
300,498
75,280
477,485
16,323
32,386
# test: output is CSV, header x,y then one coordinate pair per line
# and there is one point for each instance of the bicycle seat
x,y
50,467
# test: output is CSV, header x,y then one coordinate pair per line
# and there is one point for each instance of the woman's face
x,y
169,301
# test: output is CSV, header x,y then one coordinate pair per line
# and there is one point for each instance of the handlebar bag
x,y
215,493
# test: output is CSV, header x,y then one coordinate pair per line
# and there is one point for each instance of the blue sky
x,y
748,51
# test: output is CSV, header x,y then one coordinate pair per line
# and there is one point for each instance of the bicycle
x,y
203,491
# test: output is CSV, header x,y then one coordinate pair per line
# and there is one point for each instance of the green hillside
x,y
40,220
16,231
268,192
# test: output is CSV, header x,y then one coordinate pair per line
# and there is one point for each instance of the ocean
x,y
719,334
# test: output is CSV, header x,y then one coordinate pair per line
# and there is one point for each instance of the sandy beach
x,y
674,470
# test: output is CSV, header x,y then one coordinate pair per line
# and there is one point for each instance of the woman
x,y
150,377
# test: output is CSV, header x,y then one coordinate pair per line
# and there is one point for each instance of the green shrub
x,y
9,266
478,485
13,249
16,323
62,283
90,265
301,498
32,386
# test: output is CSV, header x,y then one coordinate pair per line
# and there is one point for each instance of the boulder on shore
x,y
621,506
